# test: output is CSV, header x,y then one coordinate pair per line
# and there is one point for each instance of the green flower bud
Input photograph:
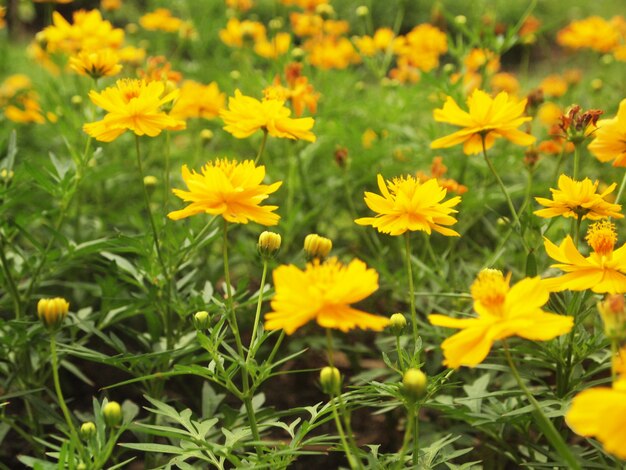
x,y
112,413
414,383
201,320
87,430
397,323
330,378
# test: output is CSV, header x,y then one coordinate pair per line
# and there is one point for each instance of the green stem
x,y
408,433
409,269
157,244
59,392
502,187
342,434
15,295
399,351
262,148
270,358
247,392
548,428
257,316
576,160
349,431
621,189
416,439
193,243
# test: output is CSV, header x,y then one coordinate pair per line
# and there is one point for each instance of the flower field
x,y
298,234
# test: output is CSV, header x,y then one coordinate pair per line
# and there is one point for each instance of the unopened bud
x,y
269,244
330,379
460,19
6,175
76,100
298,53
613,312
414,382
597,84
52,311
150,181
235,75
201,320
206,135
317,247
397,323
87,430
276,23
112,413
325,10
362,11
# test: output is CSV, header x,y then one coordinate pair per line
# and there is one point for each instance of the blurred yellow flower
x,y
246,115
132,105
505,82
600,412
228,188
87,32
240,5
593,33
3,12
273,47
407,204
160,19
20,102
96,64
488,118
323,292
477,59
602,271
579,198
110,5
330,52
198,101
553,86
237,32
609,141
422,46
503,311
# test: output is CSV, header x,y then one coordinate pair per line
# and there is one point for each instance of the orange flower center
x,y
490,288
602,237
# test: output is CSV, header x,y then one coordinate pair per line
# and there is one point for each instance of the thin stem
x,y
257,316
15,295
621,189
416,439
270,358
342,434
576,160
262,148
59,392
501,184
193,243
409,269
547,427
408,433
399,349
247,392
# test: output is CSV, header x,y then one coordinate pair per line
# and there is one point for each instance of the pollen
x,y
602,237
490,288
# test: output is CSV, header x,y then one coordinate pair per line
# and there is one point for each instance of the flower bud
x,y
414,382
325,10
87,430
298,54
76,100
206,135
268,245
317,247
201,320
6,175
613,312
330,379
397,323
235,75
52,311
460,19
362,11
112,413
276,23
150,181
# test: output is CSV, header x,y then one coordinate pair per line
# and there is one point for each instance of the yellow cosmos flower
x,y
579,198
407,204
602,271
228,188
198,101
274,47
132,105
610,138
96,64
503,311
160,19
246,115
593,32
487,118
600,412
323,292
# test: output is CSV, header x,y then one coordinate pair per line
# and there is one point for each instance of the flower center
x,y
490,288
602,237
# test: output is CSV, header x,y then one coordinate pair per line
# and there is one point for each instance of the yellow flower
x,y
87,32
96,64
52,311
323,292
602,271
330,52
246,115
422,46
503,311
160,19
594,33
505,82
274,47
553,85
230,189
579,198
487,118
198,101
236,32
408,204
132,105
610,138
110,5
601,412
